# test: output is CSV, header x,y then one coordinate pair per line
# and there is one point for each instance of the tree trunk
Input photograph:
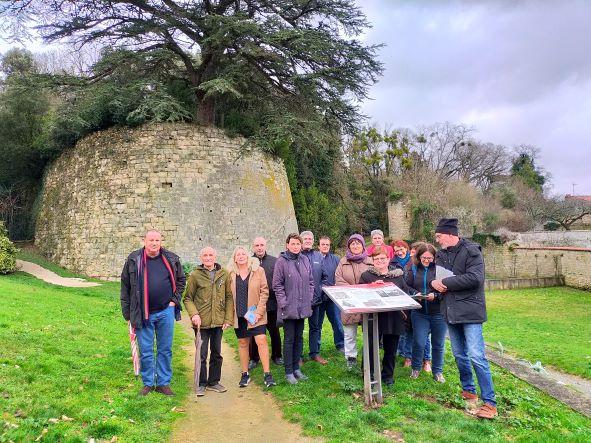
x,y
205,109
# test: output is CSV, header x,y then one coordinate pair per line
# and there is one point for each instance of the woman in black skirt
x,y
390,324
250,291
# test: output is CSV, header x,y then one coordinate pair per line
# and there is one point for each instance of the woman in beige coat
x,y
250,291
352,265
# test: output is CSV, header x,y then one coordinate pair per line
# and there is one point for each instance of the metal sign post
x,y
372,383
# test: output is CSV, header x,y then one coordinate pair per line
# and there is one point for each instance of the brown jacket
x,y
258,293
349,273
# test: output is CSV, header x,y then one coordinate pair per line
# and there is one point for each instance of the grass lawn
x,y
330,405
65,370
551,325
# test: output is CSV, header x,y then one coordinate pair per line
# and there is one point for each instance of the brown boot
x,y
469,396
319,359
165,390
407,363
146,390
487,411
427,366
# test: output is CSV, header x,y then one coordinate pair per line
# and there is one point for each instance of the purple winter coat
x,y
293,284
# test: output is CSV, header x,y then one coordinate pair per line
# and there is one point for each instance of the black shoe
x,y
252,364
278,361
244,380
388,381
269,381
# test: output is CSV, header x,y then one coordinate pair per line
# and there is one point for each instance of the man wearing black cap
x,y
464,308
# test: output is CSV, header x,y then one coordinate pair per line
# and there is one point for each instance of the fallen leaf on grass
x,y
114,439
53,420
357,395
20,413
320,427
131,420
177,409
394,435
99,356
42,434
66,418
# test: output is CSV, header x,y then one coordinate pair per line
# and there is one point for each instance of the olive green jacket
x,y
212,300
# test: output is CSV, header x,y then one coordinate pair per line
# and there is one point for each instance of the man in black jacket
x,y
464,309
152,283
259,249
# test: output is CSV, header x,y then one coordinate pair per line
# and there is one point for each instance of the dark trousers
x,y
389,361
315,326
212,338
275,339
293,344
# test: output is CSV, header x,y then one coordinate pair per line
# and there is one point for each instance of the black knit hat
x,y
447,226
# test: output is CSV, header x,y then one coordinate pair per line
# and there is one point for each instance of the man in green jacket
x,y
210,305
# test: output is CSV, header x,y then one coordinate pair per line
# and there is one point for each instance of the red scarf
x,y
145,277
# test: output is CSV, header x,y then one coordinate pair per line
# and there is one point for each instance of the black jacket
x,y
393,322
464,300
131,297
420,281
268,264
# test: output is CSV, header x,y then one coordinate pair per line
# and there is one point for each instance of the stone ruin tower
x,y
194,184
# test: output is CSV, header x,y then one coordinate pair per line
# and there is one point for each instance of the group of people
x,y
257,292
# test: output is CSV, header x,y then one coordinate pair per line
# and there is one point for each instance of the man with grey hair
x,y
314,324
210,305
152,282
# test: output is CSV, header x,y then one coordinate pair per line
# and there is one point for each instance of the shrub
x,y
7,252
551,226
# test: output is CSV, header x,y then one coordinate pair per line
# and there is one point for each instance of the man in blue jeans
x,y
464,309
315,326
152,283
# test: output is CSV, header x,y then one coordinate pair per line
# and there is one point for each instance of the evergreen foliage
x,y
8,252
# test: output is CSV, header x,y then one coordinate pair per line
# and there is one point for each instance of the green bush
x,y
551,226
7,252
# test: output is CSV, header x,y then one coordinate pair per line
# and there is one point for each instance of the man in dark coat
x,y
259,249
314,322
152,282
464,309
327,306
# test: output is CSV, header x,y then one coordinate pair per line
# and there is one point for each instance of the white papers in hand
x,y
441,273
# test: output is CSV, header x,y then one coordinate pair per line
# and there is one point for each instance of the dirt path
x,y
51,277
238,415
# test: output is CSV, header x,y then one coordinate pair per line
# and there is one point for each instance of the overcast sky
x,y
517,71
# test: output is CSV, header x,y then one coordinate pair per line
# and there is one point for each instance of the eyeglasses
x,y
427,258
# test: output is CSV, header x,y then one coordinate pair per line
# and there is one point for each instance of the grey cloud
x,y
518,71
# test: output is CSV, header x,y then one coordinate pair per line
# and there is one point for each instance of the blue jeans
x,y
467,345
422,326
315,322
405,346
160,323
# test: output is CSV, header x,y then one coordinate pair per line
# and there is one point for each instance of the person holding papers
x,y
250,291
464,308
390,324
428,319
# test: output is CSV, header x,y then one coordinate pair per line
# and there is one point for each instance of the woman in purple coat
x,y
293,284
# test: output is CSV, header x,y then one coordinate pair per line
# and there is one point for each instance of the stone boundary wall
x,y
580,239
571,264
194,184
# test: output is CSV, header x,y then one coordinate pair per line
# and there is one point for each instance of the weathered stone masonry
x,y
194,184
